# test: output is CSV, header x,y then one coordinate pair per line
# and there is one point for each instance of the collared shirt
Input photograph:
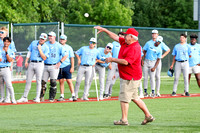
x,y
4,62
115,49
33,48
55,52
152,52
195,55
88,56
102,56
71,54
181,52
132,54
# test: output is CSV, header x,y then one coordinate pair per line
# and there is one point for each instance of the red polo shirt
x,y
132,54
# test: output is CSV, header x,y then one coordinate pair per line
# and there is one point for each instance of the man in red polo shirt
x,y
130,71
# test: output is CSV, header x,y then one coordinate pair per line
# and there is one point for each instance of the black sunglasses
x,y
109,47
92,43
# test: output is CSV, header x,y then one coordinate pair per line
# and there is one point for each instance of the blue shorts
x,y
64,73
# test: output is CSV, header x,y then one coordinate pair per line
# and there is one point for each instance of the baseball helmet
x,y
170,72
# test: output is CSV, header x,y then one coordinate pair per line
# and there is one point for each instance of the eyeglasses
x,y
92,43
108,47
2,32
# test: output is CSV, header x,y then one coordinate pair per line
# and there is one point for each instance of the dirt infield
x,y
95,99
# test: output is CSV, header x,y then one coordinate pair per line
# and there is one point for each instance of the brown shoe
x,y
147,120
120,122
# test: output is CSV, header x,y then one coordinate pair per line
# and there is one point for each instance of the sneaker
x,y
37,100
173,93
141,95
74,98
51,100
109,96
42,99
152,95
120,122
22,99
158,94
187,94
1,100
14,101
7,100
105,96
101,98
147,120
146,94
85,98
61,99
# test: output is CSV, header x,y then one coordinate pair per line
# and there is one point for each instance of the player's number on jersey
x,y
53,55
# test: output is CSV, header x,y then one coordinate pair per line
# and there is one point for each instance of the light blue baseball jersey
x,y
11,46
55,52
195,55
152,52
88,56
162,45
102,56
33,48
4,62
142,54
115,49
181,52
70,55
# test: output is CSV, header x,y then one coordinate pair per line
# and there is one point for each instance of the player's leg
x,y
158,81
152,79
92,76
45,77
2,89
101,71
197,74
185,68
145,74
190,73
141,95
88,75
113,82
80,74
176,77
61,80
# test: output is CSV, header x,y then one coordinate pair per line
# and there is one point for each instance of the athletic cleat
x,y
42,99
51,100
105,96
85,98
158,94
187,94
22,100
7,100
173,93
61,99
109,96
74,98
37,100
146,94
1,100
141,95
152,95
14,101
101,98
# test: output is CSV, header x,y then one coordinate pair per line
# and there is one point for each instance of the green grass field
x,y
172,114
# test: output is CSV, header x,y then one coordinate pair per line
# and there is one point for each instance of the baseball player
x,y
181,53
194,61
38,51
57,55
4,33
86,56
113,73
66,70
6,57
100,66
152,55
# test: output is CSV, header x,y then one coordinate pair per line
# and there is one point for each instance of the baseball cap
x,y
109,45
154,31
159,39
170,72
52,34
93,40
43,36
63,37
132,31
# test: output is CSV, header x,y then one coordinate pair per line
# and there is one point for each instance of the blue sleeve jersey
x,y
195,55
70,55
4,62
55,52
88,56
102,56
181,52
163,46
152,52
115,49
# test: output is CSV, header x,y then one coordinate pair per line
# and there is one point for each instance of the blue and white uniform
x,y
88,58
35,67
152,54
100,68
195,59
181,53
114,71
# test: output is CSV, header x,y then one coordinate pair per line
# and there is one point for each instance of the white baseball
x,y
86,15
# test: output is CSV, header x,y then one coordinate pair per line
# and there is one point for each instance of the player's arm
x,y
116,60
156,64
110,66
42,55
72,65
78,58
173,62
110,34
9,59
143,57
166,53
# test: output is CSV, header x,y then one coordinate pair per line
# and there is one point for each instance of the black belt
x,y
182,61
4,67
35,61
99,64
50,64
85,65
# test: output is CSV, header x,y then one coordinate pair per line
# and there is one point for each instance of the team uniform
x,y
181,53
56,51
195,59
101,68
88,58
113,72
152,54
5,74
36,67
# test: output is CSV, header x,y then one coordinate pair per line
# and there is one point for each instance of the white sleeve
x,y
28,54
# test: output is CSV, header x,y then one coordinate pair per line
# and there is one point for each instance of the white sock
x,y
73,94
62,95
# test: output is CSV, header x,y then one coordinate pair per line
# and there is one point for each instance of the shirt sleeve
x,y
174,51
164,47
132,55
79,52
